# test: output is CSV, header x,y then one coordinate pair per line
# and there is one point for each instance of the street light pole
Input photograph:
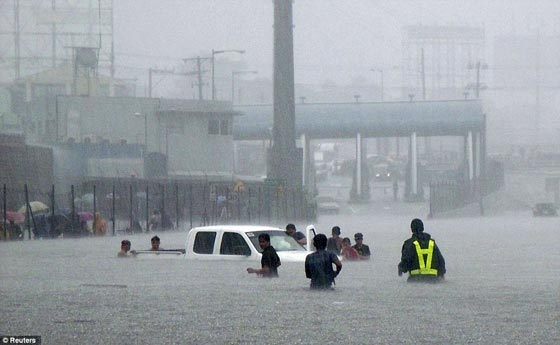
x,y
214,53
233,74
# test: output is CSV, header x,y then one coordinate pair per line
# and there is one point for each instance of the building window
x,y
224,127
213,126
219,127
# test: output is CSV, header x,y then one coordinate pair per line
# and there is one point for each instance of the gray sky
x,y
334,39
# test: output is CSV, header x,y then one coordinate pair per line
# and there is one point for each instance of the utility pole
x,y
53,41
199,69
198,72
112,57
538,88
477,87
17,39
423,72
150,83
427,141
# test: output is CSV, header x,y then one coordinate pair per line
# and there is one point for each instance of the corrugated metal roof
x,y
388,119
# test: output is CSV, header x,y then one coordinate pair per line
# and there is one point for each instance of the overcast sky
x,y
334,39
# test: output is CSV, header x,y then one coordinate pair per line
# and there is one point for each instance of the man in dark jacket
x,y
421,256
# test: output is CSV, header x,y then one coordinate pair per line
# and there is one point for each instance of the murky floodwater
x,y
502,287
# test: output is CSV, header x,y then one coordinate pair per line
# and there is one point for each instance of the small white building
x,y
194,136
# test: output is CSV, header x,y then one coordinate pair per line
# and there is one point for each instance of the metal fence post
x,y
5,211
249,204
130,207
177,206
52,209
27,211
191,204
113,216
162,202
147,208
94,209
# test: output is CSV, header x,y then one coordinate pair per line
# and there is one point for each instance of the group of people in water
x,y
126,252
420,256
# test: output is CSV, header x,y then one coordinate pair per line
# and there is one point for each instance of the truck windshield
x,y
278,239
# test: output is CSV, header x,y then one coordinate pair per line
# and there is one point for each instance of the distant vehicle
x,y
382,172
344,167
321,174
327,205
545,209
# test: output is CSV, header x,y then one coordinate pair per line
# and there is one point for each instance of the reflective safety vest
x,y
425,267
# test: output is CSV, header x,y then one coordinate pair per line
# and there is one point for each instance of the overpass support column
x,y
476,154
414,163
360,183
469,157
306,165
413,190
235,157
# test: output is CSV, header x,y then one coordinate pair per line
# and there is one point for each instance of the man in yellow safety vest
x,y
421,256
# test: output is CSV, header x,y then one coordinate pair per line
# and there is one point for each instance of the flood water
x,y
502,287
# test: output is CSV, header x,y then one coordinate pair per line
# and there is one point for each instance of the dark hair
x,y
336,230
346,239
358,236
416,225
125,242
320,241
265,237
290,226
155,238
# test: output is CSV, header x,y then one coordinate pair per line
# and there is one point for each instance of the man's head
x,y
125,245
336,231
358,237
290,229
264,240
346,242
320,242
155,243
416,226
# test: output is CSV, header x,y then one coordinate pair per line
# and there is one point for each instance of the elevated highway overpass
x,y
462,118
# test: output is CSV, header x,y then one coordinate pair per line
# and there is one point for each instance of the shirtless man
x,y
125,249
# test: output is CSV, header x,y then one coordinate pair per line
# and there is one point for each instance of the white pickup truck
x,y
235,242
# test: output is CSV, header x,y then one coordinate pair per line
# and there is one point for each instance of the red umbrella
x,y
15,216
85,216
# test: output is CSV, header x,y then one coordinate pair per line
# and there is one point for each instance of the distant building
x,y
195,137
523,97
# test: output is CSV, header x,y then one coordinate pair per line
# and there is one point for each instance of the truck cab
x,y
240,242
